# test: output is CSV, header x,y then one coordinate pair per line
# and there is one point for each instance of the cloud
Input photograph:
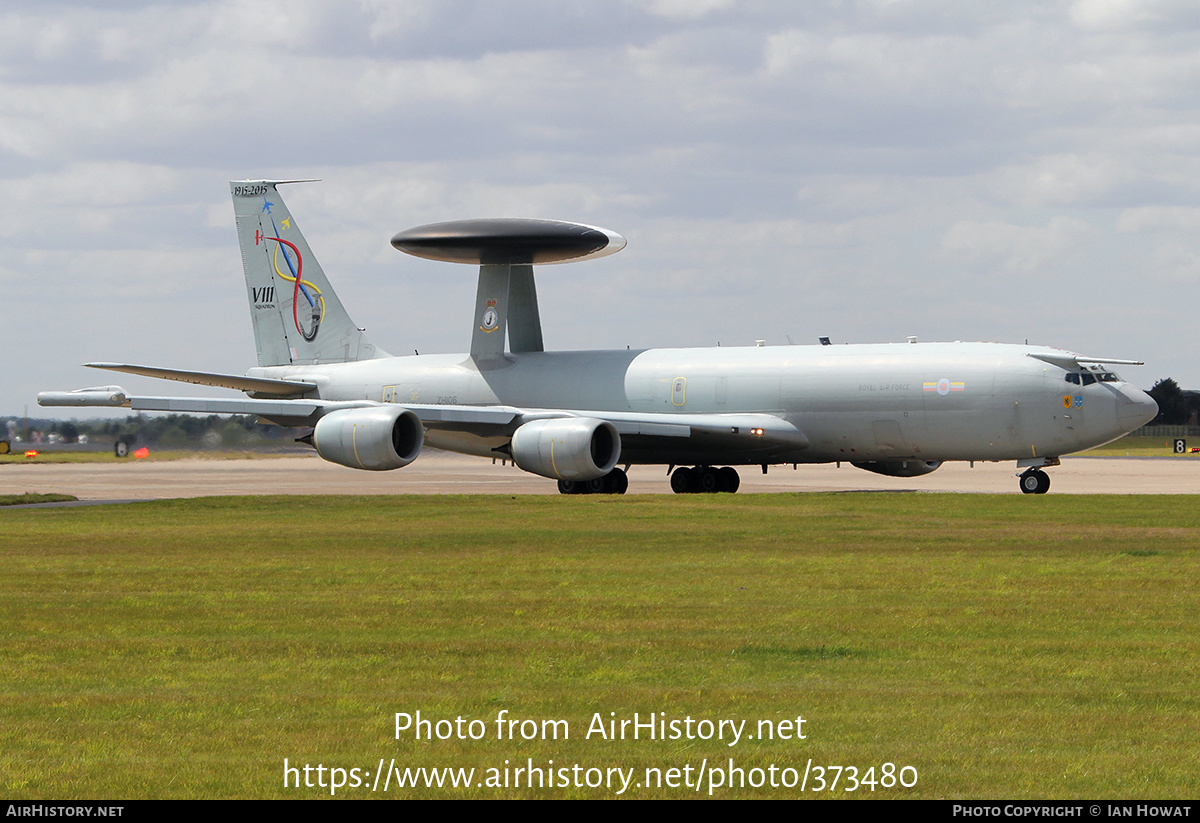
x,y
687,9
1118,15
777,166
1011,248
1147,219
1061,180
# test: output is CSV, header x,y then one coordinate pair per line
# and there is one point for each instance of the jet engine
x,y
567,448
900,468
377,439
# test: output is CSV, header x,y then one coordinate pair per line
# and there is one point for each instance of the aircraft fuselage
x,y
855,403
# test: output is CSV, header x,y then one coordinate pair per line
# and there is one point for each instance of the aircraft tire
x,y
1043,483
570,487
682,481
730,480
617,481
121,448
1035,481
709,480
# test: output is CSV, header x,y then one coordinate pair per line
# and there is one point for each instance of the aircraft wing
x,y
645,437
664,435
271,386
283,412
753,431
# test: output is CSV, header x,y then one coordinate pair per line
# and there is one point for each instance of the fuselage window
x,y
1073,378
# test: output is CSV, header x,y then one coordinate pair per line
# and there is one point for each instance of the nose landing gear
x,y
1034,481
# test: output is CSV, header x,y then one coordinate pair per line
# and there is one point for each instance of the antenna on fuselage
x,y
506,250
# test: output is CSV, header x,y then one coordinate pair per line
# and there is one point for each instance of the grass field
x,y
32,497
1001,646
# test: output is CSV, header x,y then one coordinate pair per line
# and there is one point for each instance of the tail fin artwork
x,y
298,318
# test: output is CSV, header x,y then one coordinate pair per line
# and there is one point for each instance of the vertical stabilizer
x,y
297,316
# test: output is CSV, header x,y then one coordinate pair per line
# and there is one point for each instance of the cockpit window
x,y
1087,378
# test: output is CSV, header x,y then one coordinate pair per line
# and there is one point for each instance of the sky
x,y
864,170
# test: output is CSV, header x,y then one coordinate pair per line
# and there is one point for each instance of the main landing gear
x,y
705,479
1035,481
615,482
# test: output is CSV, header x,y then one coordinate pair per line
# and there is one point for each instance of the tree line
x,y
165,431
1176,406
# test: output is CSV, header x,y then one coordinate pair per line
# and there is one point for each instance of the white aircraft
x,y
896,409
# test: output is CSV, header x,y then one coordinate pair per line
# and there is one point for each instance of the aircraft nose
x,y
1135,408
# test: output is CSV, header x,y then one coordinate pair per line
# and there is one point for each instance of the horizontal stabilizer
x,y
259,385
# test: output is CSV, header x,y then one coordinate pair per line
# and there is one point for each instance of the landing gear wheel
x,y
615,482
683,481
121,448
1035,481
705,480
729,480
618,481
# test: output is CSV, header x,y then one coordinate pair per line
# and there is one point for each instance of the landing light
x,y
758,432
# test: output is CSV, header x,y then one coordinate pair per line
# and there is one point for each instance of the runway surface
x,y
441,473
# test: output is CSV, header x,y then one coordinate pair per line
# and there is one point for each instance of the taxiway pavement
x,y
441,473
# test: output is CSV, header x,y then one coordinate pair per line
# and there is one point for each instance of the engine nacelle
x,y
900,468
567,448
376,439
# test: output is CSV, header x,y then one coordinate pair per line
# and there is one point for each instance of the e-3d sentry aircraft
x,y
896,409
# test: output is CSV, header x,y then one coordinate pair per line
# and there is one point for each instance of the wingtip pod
x,y
113,396
508,240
